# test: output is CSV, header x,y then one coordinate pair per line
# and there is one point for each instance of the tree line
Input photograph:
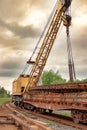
x,y
4,93
51,77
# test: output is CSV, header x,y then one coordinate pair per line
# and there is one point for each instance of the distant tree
x,y
3,92
8,93
50,77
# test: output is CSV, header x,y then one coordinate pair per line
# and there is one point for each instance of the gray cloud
x,y
8,73
10,9
21,31
16,10
84,2
80,42
11,65
12,43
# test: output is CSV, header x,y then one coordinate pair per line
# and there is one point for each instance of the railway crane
x,y
71,96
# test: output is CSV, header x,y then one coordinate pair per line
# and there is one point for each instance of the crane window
x,y
22,89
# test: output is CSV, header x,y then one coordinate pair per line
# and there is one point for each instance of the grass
x,y
3,100
49,123
65,113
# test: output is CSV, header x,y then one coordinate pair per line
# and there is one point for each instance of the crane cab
x,y
20,84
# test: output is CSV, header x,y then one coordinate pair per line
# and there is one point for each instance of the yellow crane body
x,y
19,84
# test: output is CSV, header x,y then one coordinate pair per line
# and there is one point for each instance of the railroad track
x,y
55,117
24,122
6,121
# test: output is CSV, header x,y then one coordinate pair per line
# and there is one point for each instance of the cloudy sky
x,y
21,24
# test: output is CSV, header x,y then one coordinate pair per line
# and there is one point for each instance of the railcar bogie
x,y
79,116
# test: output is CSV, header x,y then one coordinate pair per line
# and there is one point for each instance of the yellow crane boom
x,y
47,44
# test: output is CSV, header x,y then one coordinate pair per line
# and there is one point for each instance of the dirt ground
x,y
5,123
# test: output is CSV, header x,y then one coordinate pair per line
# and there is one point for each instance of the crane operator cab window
x,y
22,89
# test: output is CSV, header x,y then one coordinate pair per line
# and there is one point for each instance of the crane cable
x,y
72,73
49,19
70,56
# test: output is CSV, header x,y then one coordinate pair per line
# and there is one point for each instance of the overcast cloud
x,y
21,23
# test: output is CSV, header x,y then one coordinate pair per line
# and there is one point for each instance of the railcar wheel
x,y
21,104
50,111
43,110
76,120
37,110
75,116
